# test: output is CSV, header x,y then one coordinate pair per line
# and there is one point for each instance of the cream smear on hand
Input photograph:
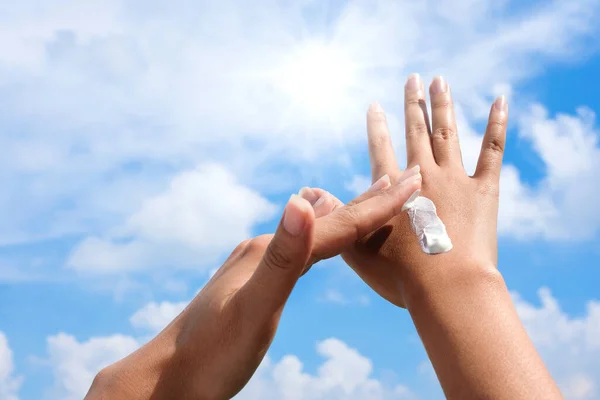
x,y
424,221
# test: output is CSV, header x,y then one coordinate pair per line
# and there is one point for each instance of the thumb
x,y
284,260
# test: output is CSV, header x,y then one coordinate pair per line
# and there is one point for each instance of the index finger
x,y
381,151
492,147
344,226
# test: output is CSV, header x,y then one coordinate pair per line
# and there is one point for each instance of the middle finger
x,y
444,136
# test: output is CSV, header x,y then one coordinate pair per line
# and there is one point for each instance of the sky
x,y
140,141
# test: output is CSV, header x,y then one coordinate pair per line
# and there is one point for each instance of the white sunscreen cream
x,y
424,221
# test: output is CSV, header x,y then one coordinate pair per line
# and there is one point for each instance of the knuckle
x,y
223,305
276,257
416,129
495,145
413,100
497,124
444,133
241,247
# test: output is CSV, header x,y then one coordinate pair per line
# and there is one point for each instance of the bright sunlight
x,y
316,78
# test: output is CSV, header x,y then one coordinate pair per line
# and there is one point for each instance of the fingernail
x,y
376,112
439,85
411,200
376,108
382,183
412,178
308,194
294,219
410,172
414,82
501,104
320,201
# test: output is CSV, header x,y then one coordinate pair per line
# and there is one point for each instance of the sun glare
x,y
316,78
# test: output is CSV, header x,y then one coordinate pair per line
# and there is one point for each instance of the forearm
x,y
474,338
163,368
172,365
136,377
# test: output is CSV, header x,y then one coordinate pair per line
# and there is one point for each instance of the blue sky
x,y
139,143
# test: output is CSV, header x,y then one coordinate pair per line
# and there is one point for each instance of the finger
x,y
381,151
309,195
344,226
238,251
444,138
418,143
325,202
384,183
284,260
492,148
324,205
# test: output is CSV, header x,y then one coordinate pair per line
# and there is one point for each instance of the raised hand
x,y
458,300
213,347
391,258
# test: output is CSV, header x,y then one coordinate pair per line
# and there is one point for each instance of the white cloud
x,y
345,374
9,274
562,203
75,363
524,212
337,297
204,213
579,387
570,346
559,207
9,383
156,316
103,100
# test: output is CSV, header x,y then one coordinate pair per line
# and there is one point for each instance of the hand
x,y
391,258
213,347
457,300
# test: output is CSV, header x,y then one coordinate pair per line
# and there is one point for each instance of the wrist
x,y
447,280
470,328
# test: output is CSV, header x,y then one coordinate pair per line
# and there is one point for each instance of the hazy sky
x,y
140,141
